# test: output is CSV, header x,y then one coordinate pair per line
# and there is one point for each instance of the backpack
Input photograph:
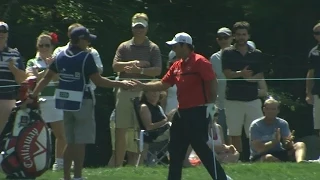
x,y
25,144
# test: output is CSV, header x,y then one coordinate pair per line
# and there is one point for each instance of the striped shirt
x,y
147,51
6,76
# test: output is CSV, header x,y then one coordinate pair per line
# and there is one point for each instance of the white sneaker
x,y
57,167
229,178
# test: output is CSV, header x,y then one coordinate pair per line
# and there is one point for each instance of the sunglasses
x,y
44,45
223,38
317,33
3,31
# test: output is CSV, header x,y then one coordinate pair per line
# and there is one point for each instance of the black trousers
x,y
190,126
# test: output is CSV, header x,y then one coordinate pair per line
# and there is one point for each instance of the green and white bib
x,y
42,66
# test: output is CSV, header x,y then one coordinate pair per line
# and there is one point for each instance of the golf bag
x,y
25,142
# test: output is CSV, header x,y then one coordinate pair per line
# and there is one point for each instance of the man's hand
x,y
277,135
35,71
137,84
49,60
143,64
127,84
11,64
132,69
245,73
309,99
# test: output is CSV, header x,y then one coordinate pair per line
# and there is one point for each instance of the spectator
x,y
191,121
130,140
137,58
242,103
224,153
11,72
271,139
224,39
313,86
38,67
78,107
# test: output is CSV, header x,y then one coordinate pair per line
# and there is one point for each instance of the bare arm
x,y
221,134
98,80
213,91
146,119
309,82
119,66
19,74
44,82
263,88
155,86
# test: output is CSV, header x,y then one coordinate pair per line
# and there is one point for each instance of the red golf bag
x,y
25,142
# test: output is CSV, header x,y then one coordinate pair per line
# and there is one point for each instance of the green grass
x,y
267,171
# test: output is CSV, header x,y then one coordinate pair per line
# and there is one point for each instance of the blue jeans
x,y
223,123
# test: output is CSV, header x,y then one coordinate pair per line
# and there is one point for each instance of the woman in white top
x,y
170,101
37,67
224,153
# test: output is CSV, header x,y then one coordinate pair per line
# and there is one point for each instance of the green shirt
x,y
42,65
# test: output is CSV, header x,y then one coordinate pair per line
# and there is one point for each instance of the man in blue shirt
x,y
75,67
271,139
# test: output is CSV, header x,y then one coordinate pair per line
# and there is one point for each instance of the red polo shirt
x,y
192,78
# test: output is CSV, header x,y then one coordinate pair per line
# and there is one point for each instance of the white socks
x,y
59,160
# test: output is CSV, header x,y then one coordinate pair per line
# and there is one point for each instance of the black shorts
x,y
284,156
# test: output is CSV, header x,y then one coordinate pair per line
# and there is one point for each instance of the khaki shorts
x,y
316,112
241,113
80,126
125,114
131,135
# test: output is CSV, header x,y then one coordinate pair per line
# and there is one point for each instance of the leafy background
x,y
281,29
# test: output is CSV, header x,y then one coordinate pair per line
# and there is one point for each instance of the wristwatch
x,y
142,71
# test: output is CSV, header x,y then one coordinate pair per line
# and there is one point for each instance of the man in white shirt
x,y
224,39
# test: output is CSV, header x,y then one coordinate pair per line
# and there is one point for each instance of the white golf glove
x,y
211,109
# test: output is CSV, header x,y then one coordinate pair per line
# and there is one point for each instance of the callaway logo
x,y
32,147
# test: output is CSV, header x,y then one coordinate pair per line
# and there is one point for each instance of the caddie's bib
x,y
72,82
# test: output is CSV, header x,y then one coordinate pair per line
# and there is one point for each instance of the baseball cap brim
x,y
172,42
92,37
139,23
224,33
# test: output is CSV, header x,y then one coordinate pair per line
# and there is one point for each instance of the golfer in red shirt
x,y
196,90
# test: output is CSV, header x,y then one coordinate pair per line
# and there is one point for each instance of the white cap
x,y
5,25
252,44
225,31
172,55
180,38
140,21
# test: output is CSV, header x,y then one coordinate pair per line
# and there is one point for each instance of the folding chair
x,y
156,139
